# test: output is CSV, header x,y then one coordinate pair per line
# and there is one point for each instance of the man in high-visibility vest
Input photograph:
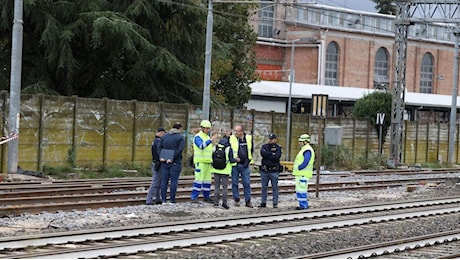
x,y
303,170
243,148
202,159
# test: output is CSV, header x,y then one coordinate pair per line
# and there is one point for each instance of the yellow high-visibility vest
x,y
307,171
235,146
228,166
202,155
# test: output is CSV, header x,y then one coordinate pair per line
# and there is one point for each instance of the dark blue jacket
x,y
175,141
155,155
271,154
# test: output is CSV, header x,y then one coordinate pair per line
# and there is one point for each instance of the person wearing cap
x,y
154,189
303,170
269,170
202,159
171,168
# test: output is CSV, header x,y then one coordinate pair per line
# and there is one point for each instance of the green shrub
x,y
336,157
71,155
59,172
372,162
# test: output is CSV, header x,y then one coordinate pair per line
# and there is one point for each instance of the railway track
x,y
36,197
169,239
443,245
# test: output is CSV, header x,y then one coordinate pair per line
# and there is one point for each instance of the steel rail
x,y
389,248
54,201
168,236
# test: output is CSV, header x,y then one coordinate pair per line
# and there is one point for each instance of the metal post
x,y
453,108
207,64
380,139
288,125
15,87
318,155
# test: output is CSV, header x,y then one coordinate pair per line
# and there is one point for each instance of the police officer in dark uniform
x,y
270,168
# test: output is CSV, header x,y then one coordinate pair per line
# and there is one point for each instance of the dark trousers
x,y
170,172
265,177
218,180
154,189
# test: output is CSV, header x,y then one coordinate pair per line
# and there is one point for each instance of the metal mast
x,y
410,12
207,64
15,85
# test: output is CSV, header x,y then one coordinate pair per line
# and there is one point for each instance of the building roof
x,y
300,90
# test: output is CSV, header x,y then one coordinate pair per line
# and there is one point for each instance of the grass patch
x,y
122,170
103,171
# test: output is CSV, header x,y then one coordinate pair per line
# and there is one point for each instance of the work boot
x,y
225,206
263,205
248,204
275,206
237,202
208,200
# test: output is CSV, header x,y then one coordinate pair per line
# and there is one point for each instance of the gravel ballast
x,y
149,214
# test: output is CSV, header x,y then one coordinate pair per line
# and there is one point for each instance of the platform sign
x,y
319,110
380,118
319,105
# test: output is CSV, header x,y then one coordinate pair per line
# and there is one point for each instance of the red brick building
x,y
347,48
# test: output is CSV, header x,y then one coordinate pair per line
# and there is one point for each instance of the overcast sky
x,y
360,5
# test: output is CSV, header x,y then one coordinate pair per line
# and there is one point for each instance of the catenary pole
x,y
453,109
15,87
207,63
288,125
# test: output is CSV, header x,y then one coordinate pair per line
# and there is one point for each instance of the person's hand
x,y
169,161
214,136
238,159
162,160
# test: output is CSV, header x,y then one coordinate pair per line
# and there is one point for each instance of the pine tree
x,y
129,49
385,6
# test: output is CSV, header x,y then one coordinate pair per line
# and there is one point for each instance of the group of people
x,y
167,149
238,150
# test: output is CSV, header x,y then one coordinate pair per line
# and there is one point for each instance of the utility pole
x,y
207,64
453,108
15,87
291,80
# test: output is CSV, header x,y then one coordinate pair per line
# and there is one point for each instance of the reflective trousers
x,y
203,179
301,189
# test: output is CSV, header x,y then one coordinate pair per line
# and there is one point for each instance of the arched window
x,y
381,80
332,65
426,74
